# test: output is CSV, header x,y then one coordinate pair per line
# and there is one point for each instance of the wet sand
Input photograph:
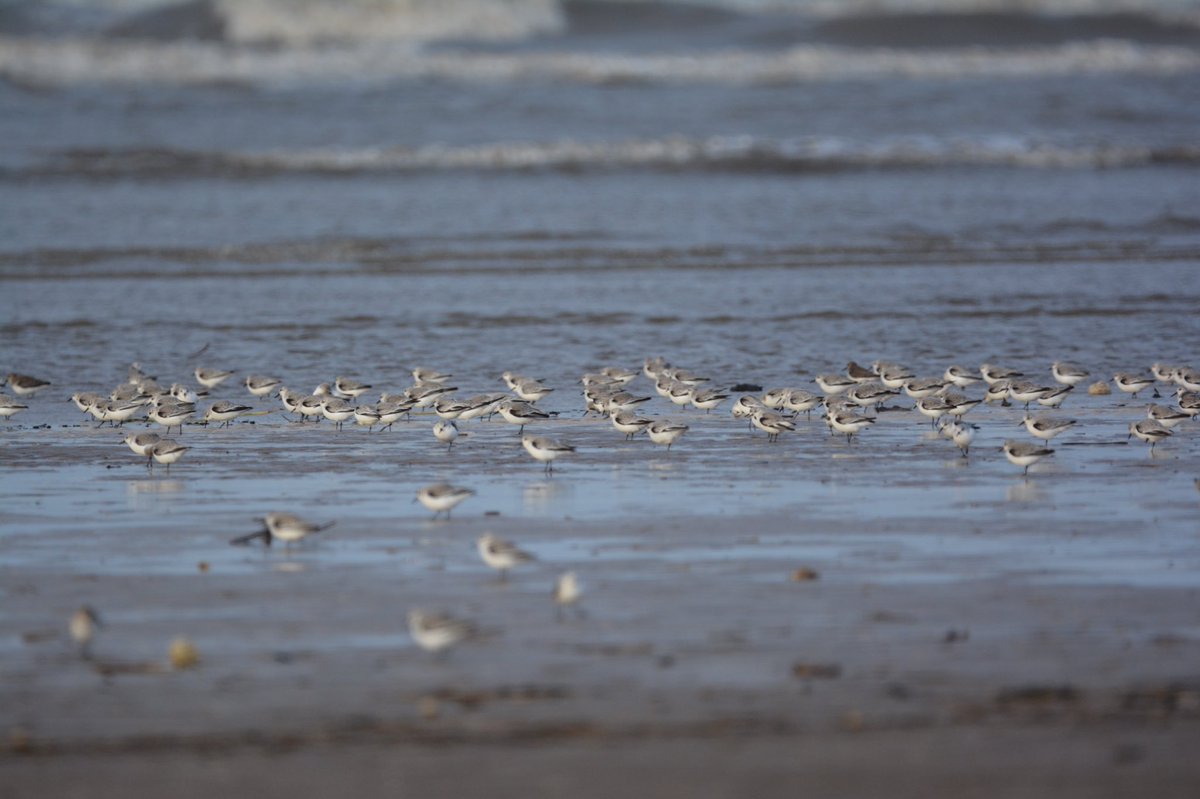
x,y
757,617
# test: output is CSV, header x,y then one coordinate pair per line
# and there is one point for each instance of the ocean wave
x,y
673,153
288,23
88,61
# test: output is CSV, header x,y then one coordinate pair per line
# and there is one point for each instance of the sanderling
x,y
135,374
544,449
424,376
959,403
684,376
776,398
171,414
993,374
849,423
961,434
261,385
83,400
707,398
960,376
531,390
285,527
934,408
24,385
9,406
629,423
997,392
567,591
801,401
1163,373
445,431
680,393
337,410
182,393
1025,455
312,406
1068,373
520,412
1149,430
353,389
502,555
893,376
366,416
128,393
1132,384
870,395
435,632
118,413
167,452
1045,427
1188,379
625,400
653,367
622,376
211,378
481,405
290,399
1167,417
225,412
665,432
860,374
921,387
142,443
449,407
424,395
1026,392
1055,396
832,385
772,423
442,497
82,627
1189,402
745,407
513,379
390,411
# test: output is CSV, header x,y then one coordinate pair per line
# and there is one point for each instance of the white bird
x,y
1150,431
1132,384
544,449
82,626
211,378
442,497
502,555
285,527
445,431
167,452
435,632
1045,427
1025,455
664,432
225,412
567,591
1068,374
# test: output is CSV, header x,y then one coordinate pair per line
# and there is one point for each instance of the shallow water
x,y
757,196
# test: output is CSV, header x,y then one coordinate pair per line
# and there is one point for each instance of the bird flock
x,y
847,402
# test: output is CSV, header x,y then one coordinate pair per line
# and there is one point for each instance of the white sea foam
x,y
675,153
92,61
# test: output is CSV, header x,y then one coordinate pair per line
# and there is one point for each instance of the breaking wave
x,y
672,153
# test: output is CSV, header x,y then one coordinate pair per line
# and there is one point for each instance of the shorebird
x,y
24,385
1025,455
445,431
544,449
442,497
82,627
1068,373
664,432
211,378
436,632
502,555
285,527
1150,431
